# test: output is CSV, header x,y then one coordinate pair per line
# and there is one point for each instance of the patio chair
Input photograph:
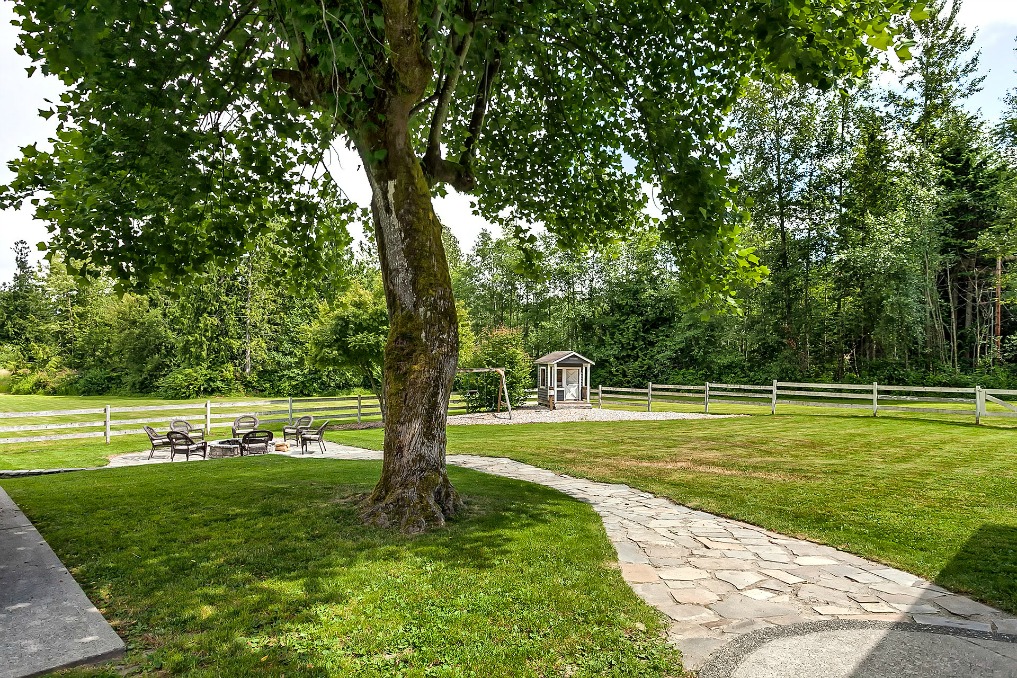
x,y
245,423
292,431
181,443
195,432
315,436
158,440
256,442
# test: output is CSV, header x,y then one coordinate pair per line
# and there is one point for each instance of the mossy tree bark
x,y
414,492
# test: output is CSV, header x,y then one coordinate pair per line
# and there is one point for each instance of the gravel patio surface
x,y
534,415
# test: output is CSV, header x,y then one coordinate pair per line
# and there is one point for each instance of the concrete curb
x,y
46,620
27,473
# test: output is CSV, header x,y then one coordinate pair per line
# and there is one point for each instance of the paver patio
x,y
719,579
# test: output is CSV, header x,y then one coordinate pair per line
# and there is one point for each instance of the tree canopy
x,y
187,126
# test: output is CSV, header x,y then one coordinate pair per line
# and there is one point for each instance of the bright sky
x,y
996,21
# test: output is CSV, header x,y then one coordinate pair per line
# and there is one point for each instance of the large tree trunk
x,y
414,492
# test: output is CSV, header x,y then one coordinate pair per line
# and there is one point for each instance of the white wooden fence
x,y
109,421
874,397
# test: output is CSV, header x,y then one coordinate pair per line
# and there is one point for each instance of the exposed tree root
x,y
422,504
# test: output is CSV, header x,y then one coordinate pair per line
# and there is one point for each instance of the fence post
x,y
600,396
289,406
649,396
358,408
706,399
979,404
208,418
773,399
875,398
107,412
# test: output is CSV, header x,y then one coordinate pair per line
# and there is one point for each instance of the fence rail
x,y
977,402
875,397
207,414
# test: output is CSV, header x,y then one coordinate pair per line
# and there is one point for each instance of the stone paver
x,y
746,578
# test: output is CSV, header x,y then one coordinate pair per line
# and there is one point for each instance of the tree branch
x,y
306,83
304,88
480,102
225,33
408,65
423,103
433,28
432,156
229,28
442,171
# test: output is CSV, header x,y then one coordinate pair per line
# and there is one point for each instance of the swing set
x,y
503,390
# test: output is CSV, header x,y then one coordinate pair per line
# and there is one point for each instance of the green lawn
x,y
261,566
931,494
937,498
37,403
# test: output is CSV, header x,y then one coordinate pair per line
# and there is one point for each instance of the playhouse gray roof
x,y
558,356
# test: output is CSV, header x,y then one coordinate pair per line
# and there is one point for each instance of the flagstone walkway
x,y
720,579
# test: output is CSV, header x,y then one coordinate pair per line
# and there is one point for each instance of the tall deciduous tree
x,y
187,125
350,333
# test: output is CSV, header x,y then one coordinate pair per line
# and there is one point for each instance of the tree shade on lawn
x,y
936,498
262,566
187,125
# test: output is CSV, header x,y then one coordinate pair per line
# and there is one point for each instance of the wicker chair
x,y
244,424
256,442
292,431
195,432
156,439
181,443
315,436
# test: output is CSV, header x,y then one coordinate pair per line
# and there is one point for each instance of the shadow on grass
x,y
261,565
987,564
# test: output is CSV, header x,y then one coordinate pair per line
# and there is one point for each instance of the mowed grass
x,y
261,566
936,498
41,403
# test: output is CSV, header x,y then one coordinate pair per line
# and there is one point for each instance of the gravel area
x,y
533,415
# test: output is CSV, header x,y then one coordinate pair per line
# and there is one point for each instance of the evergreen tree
x,y
27,317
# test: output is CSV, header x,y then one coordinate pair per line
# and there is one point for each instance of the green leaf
x,y
460,25
880,41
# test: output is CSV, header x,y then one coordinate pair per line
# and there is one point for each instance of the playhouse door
x,y
571,383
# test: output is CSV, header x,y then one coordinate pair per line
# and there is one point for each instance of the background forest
x,y
886,216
